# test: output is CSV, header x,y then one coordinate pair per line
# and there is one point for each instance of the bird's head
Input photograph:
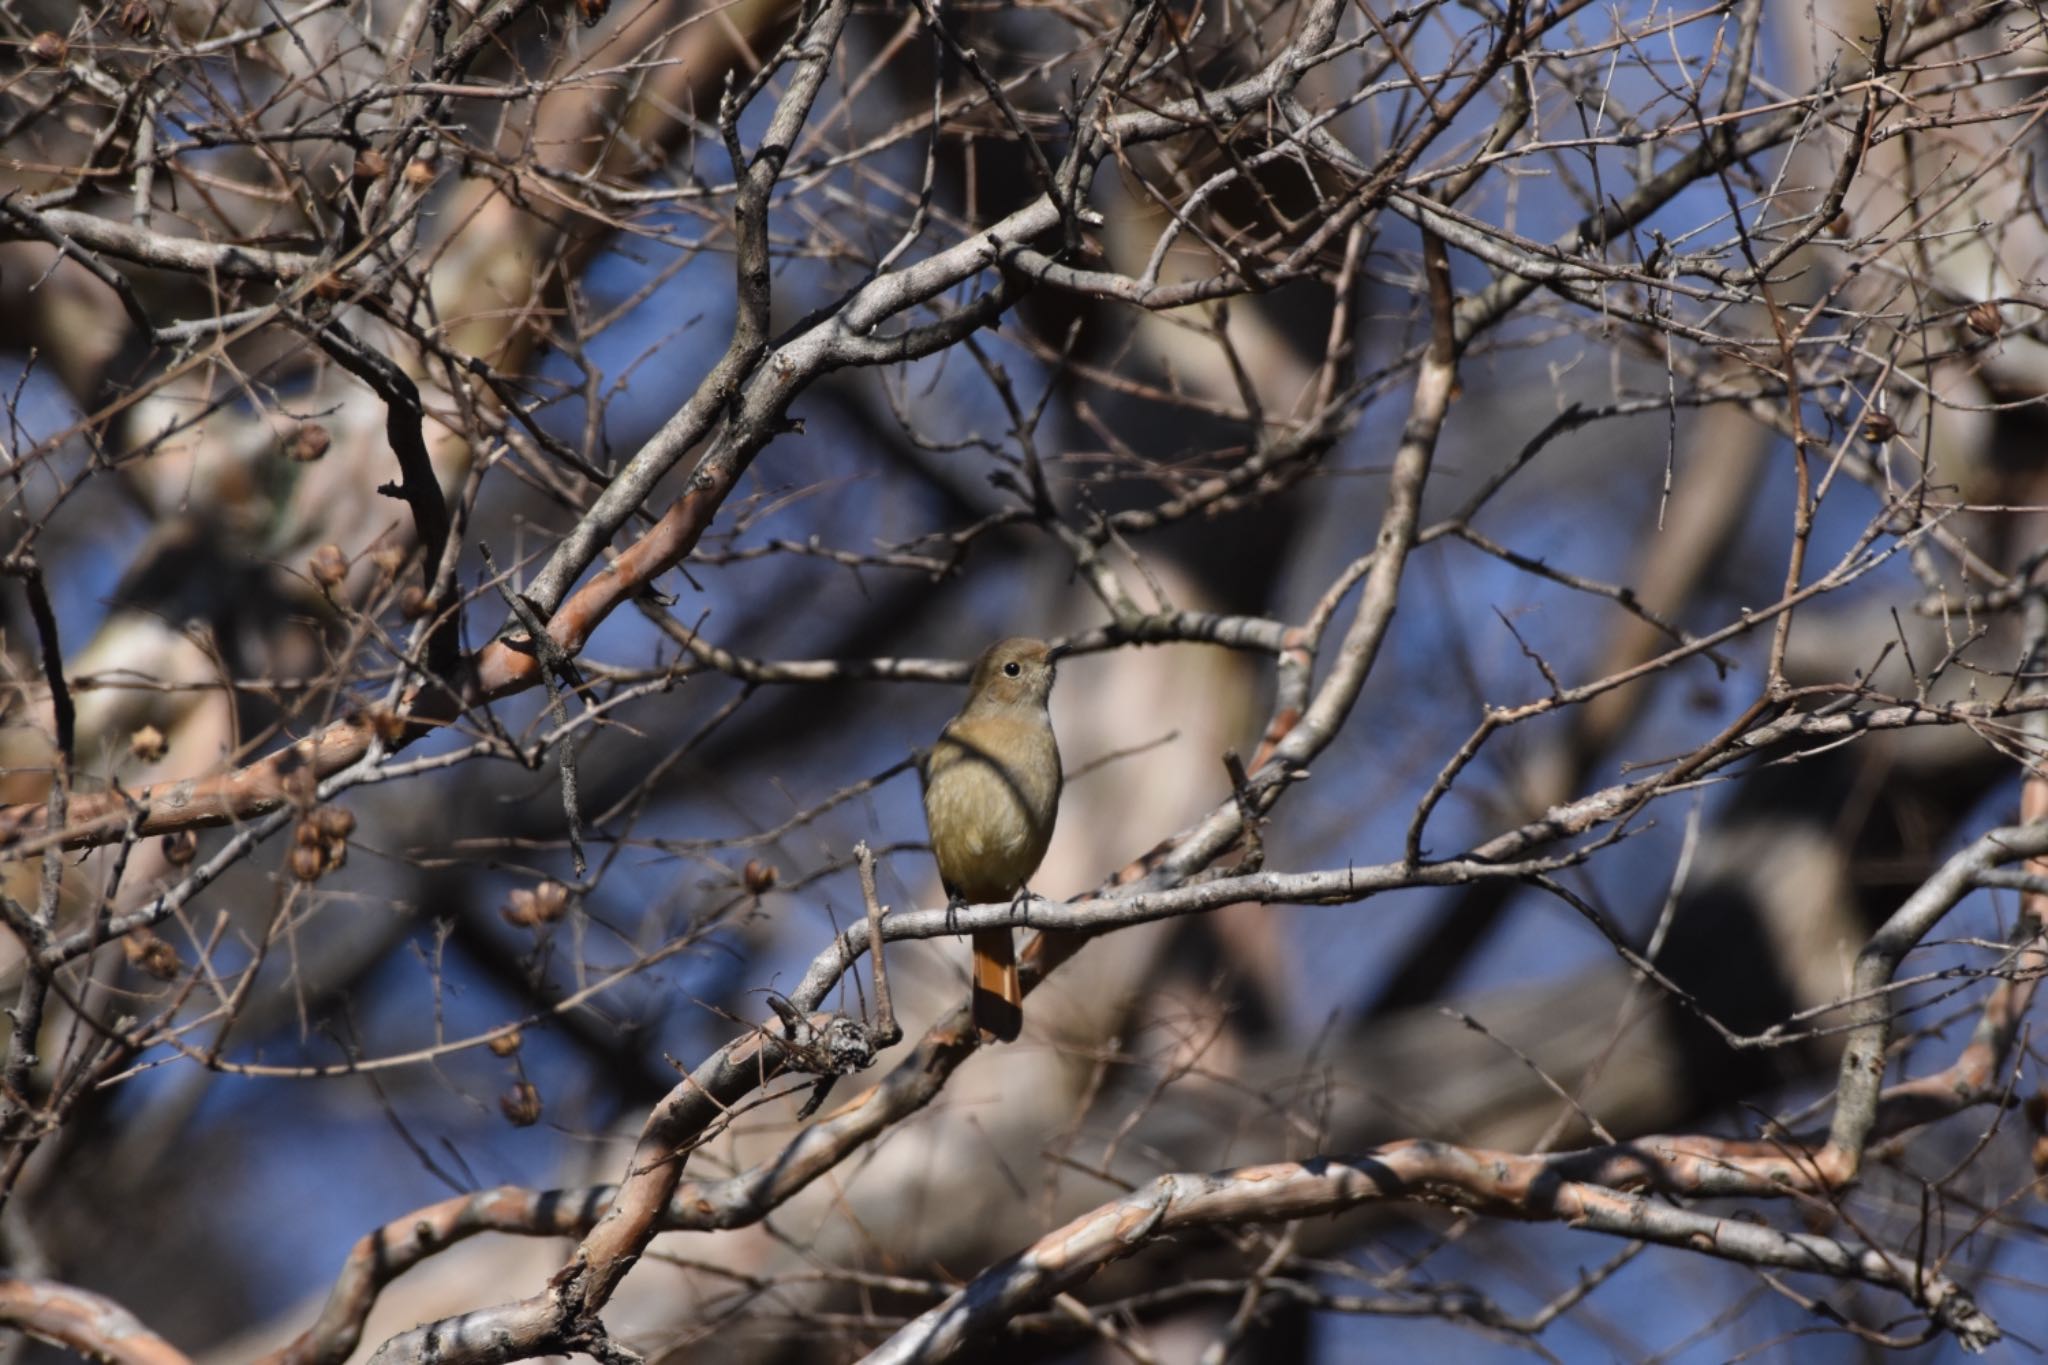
x,y
1014,672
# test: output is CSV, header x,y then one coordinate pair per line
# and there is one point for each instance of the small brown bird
x,y
992,791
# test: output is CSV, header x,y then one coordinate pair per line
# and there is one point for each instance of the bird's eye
x,y
1012,668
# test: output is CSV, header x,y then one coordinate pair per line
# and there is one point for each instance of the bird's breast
x,y
991,797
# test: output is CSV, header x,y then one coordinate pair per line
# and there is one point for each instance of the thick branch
x,y
1498,1184
95,1327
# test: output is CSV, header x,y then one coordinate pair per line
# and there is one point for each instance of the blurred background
x,y
1747,312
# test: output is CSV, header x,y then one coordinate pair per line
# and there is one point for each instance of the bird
x,y
991,795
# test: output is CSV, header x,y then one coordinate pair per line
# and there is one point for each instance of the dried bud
x,y
308,443
551,900
389,557
371,164
2041,1156
147,744
505,1044
543,904
1820,1219
151,954
306,834
333,822
758,876
418,173
49,48
413,603
329,286
1838,225
1878,427
328,566
590,11
521,1105
334,855
306,863
1985,320
387,724
517,910
180,847
2036,1110
138,18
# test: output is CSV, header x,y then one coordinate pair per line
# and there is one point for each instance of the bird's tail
x,y
998,995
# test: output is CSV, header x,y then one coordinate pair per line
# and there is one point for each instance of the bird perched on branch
x,y
992,791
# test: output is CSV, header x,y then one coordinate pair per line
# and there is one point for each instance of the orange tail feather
x,y
998,995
